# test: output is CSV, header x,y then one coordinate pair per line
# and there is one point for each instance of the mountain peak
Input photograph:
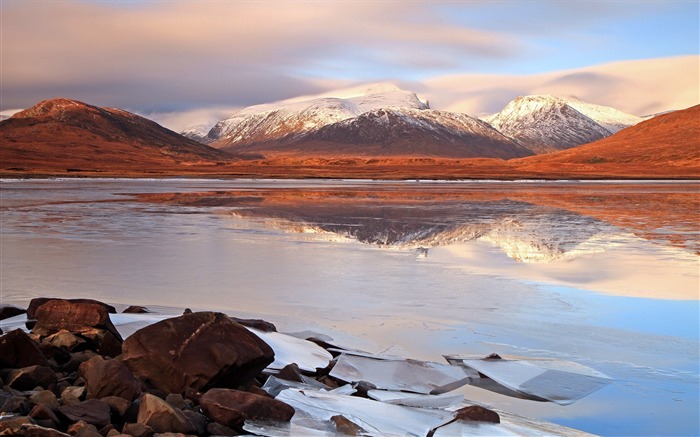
x,y
54,107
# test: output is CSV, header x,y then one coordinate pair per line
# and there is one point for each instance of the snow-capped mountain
x,y
277,121
544,123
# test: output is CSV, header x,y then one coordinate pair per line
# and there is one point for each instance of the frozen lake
x,y
604,274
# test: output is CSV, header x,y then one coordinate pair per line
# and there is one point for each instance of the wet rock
x,y
30,377
17,350
45,397
162,417
136,309
137,430
214,428
290,372
196,351
108,378
91,411
39,301
233,407
7,311
345,426
478,413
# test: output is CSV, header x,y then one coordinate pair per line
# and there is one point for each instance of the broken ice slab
x,y
376,418
541,379
307,355
415,399
275,386
399,374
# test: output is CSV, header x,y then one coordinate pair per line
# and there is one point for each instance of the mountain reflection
x,y
530,223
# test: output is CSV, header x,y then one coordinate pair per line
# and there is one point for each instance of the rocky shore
x,y
71,371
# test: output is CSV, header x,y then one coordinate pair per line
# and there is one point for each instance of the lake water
x,y
601,273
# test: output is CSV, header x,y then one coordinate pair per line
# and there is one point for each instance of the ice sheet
x,y
415,399
307,355
400,374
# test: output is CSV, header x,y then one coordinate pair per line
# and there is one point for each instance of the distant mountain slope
x,y
547,123
67,134
402,132
666,144
277,121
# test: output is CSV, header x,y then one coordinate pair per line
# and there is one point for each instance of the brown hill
x,y
67,135
665,146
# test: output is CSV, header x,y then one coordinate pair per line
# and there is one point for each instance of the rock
x,y
260,325
16,404
107,344
7,311
28,430
233,407
136,309
162,417
92,411
214,428
11,425
72,395
30,377
56,354
137,430
196,351
76,317
76,359
176,400
108,378
290,372
45,397
39,301
118,406
199,421
345,426
83,429
44,416
63,339
17,350
478,413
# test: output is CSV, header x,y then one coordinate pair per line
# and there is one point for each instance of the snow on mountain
x,y
544,123
270,122
196,132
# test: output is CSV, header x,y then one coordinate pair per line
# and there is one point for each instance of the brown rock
x,y
72,395
44,416
7,311
478,413
76,359
196,351
16,404
27,430
118,406
91,411
63,339
232,407
46,397
260,325
76,317
162,417
27,378
17,350
39,301
137,430
214,428
108,378
136,309
199,421
345,426
83,429
11,425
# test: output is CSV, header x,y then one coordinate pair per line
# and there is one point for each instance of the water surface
x,y
604,274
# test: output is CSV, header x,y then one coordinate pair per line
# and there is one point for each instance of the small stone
x,y
233,407
16,404
27,430
137,430
72,395
108,378
214,428
83,429
11,425
477,413
63,339
136,309
45,397
345,426
118,406
44,416
18,350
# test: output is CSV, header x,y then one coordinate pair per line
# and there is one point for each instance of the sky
x,y
187,62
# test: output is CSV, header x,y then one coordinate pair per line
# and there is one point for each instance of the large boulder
x,y
28,378
7,311
108,378
92,411
196,351
39,301
17,350
233,407
161,416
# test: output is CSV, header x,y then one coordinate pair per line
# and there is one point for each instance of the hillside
x,y
67,135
